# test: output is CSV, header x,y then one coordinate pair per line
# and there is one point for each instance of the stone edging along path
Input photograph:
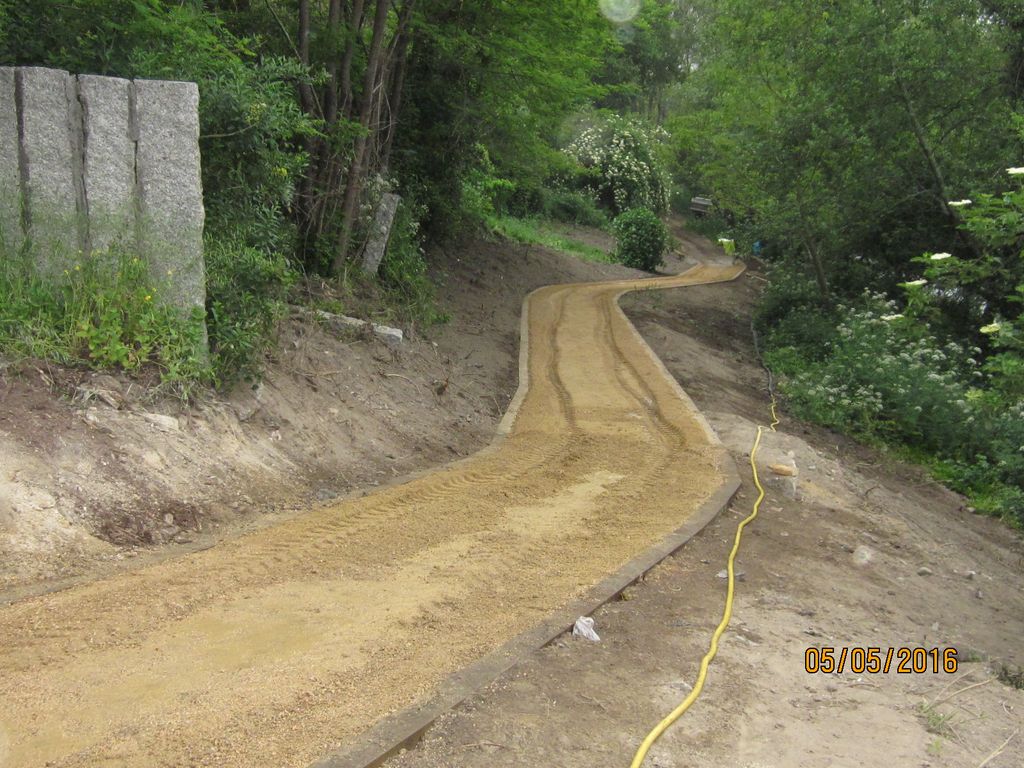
x,y
404,729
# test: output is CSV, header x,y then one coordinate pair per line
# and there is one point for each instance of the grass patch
x,y
103,311
539,232
934,721
1011,676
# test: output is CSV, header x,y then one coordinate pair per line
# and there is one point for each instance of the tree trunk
x,y
397,84
399,59
808,240
355,27
331,88
354,182
307,186
926,150
305,89
819,268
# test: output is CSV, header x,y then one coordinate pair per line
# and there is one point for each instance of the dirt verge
x,y
96,477
859,551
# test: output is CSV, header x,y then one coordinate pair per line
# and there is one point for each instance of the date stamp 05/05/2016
x,y
872,660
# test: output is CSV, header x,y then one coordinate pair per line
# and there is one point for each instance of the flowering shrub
x,y
988,283
642,239
877,369
619,165
991,282
881,377
994,474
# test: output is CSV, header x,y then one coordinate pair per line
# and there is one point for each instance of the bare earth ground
x,y
834,564
86,488
274,647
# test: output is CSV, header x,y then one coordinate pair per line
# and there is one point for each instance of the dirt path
x,y
277,647
860,551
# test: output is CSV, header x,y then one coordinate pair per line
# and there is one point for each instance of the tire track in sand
x,y
277,647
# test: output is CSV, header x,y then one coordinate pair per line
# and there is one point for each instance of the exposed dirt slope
x,y
859,551
269,649
97,476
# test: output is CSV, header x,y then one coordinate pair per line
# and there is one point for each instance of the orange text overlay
x,y
876,660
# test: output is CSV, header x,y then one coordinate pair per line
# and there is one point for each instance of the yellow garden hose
x,y
665,724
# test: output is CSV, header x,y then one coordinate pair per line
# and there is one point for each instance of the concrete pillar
x,y
108,175
47,109
11,235
380,232
170,189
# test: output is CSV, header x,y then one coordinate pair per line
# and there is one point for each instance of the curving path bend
x,y
276,648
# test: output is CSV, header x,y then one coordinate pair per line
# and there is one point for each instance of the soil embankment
x,y
272,648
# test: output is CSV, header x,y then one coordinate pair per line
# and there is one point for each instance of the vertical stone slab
x,y
48,163
108,150
11,235
169,186
380,232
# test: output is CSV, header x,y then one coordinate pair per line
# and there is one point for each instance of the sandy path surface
x,y
277,647
834,560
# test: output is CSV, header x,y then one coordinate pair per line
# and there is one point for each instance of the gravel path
x,y
275,648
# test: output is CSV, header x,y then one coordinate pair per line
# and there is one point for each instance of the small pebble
x,y
924,571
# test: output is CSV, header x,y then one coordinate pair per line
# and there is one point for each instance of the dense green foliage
x,y
499,77
405,272
311,109
848,139
642,239
246,293
103,312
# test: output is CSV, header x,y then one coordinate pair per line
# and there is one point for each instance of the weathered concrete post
x,y
47,110
108,169
11,235
170,189
380,232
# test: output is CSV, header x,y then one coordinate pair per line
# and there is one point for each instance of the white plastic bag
x,y
584,627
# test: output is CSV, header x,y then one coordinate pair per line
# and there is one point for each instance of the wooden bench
x,y
701,205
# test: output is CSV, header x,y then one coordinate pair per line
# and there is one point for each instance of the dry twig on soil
x,y
999,750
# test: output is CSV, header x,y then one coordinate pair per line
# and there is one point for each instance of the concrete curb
x,y
404,729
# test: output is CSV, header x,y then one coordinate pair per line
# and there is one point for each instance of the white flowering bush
x,y
618,165
876,368
994,474
881,377
990,280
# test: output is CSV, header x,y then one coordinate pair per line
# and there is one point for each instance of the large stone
x,y
380,232
11,235
108,160
49,133
170,189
